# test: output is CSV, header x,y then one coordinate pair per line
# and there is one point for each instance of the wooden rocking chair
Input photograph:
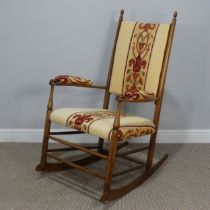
x,y
137,73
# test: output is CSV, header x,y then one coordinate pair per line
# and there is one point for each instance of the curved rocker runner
x,y
137,74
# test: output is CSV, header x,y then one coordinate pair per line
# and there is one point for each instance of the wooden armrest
x,y
52,82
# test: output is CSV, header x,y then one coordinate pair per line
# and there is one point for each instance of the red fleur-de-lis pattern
x,y
138,59
82,121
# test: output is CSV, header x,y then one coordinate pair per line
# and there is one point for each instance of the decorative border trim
x,y
164,136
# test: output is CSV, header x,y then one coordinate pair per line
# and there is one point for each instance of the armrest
x,y
137,96
67,80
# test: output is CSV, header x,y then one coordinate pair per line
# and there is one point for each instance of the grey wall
x,y
42,38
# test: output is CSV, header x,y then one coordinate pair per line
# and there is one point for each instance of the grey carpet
x,y
182,183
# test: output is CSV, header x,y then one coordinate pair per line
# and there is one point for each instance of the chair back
x,y
138,58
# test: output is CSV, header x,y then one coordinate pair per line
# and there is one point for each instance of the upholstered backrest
x,y
138,57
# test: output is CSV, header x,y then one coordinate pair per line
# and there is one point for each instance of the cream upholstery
x,y
135,75
99,122
138,57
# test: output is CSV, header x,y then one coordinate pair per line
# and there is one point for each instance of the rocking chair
x,y
137,73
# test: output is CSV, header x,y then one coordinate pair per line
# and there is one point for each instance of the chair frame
x,y
113,151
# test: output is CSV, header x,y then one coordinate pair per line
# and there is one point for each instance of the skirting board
x,y
164,136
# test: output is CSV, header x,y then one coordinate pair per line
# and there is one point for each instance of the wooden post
x,y
107,94
112,154
43,160
160,92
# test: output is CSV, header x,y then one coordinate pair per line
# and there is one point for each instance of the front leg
x,y
43,160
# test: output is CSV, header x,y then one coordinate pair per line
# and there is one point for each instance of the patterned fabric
x,y
138,59
67,79
82,120
99,122
138,94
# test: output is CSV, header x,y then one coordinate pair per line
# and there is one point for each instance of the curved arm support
x,y
52,82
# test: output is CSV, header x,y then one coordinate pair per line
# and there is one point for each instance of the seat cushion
x,y
99,122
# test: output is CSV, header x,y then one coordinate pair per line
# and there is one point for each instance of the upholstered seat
x,y
99,122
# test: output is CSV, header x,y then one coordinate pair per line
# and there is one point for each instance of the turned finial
x,y
122,11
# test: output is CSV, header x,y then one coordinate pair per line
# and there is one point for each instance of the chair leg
x,y
150,154
42,165
110,166
100,144
151,151
112,194
123,190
